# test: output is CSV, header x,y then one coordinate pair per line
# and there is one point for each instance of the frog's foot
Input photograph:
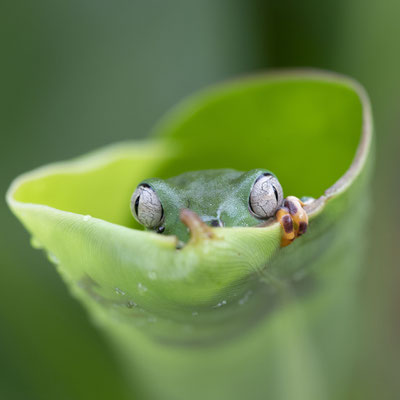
x,y
293,219
199,230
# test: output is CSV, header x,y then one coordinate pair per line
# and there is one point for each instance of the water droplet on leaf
x,y
131,304
142,288
152,275
35,243
119,291
245,298
220,304
53,258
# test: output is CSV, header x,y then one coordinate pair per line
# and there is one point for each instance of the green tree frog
x,y
189,204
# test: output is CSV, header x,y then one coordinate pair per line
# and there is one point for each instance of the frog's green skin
x,y
220,198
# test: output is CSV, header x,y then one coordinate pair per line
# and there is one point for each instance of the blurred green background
x,y
81,74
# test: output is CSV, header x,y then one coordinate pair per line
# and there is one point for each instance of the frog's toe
x,y
299,215
199,230
293,219
284,218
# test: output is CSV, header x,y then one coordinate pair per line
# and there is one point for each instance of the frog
x,y
191,204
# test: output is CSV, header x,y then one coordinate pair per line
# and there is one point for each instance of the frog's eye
x,y
266,196
146,206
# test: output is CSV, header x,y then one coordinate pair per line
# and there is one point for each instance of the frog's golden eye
x,y
146,207
266,196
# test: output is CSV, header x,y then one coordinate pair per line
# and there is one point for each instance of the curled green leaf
x,y
312,129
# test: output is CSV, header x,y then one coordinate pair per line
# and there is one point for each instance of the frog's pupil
x,y
162,214
137,205
276,193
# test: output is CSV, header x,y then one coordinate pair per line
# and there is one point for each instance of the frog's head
x,y
223,197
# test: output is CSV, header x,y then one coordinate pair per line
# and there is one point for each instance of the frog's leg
x,y
293,219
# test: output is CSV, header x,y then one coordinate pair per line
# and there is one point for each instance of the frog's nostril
x,y
216,222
